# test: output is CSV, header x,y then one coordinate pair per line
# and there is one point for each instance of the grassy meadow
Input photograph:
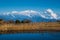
x,y
42,26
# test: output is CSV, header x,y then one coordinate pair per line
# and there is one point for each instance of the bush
x,y
17,21
26,21
1,19
58,21
10,21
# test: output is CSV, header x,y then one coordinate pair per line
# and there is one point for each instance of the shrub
x,y
11,21
1,21
26,21
58,20
17,21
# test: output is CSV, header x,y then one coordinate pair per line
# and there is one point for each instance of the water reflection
x,y
31,36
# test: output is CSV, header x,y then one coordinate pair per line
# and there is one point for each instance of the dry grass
x,y
31,26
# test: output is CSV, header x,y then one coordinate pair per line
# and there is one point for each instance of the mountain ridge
x,y
34,16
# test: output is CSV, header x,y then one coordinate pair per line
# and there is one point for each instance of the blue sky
x,y
10,5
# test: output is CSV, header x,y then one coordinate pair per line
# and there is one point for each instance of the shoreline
x,y
27,31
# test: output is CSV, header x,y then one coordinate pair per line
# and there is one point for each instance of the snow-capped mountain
x,y
35,16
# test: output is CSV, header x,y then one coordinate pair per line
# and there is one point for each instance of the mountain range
x,y
34,16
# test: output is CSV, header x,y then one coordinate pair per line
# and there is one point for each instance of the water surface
x,y
31,36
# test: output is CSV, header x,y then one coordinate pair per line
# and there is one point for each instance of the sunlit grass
x,y
31,26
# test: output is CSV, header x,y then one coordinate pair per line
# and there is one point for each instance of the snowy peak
x,y
52,14
32,14
28,13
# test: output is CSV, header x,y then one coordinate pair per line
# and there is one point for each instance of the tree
x,y
11,21
17,21
1,21
58,21
26,21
